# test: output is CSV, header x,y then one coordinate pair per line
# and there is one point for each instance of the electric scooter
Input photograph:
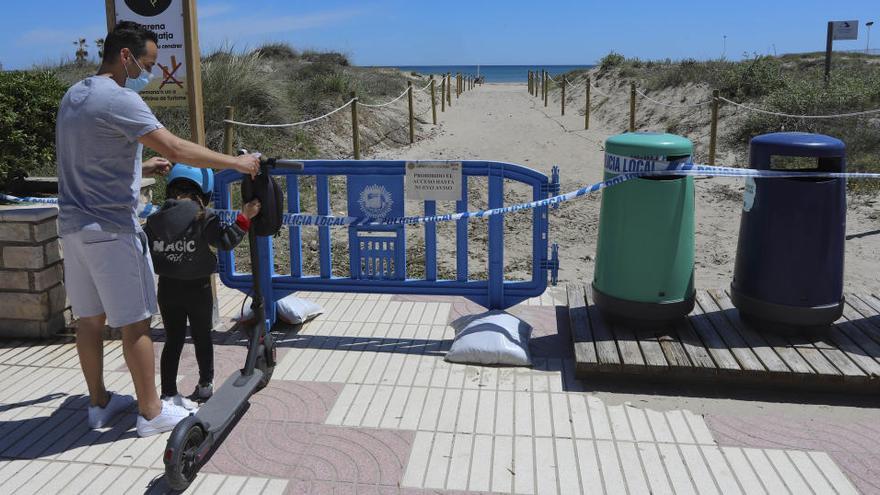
x,y
197,436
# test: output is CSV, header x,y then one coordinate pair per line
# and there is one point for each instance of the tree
x,y
81,53
99,43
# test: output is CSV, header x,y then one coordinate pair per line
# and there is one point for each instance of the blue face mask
x,y
137,85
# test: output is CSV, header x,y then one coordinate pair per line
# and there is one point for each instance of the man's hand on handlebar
x,y
269,162
248,164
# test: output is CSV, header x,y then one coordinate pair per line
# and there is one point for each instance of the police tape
x,y
648,166
143,210
626,168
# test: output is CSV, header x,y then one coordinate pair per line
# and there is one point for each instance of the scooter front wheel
x,y
181,453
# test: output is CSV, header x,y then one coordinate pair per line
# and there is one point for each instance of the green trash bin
x,y
645,251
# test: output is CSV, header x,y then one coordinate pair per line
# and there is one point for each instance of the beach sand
x,y
502,122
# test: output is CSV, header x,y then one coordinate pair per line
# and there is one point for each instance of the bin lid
x,y
797,144
639,144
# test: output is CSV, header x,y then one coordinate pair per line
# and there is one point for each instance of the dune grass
x,y
791,84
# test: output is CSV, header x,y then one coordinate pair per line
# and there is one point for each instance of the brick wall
x,y
32,296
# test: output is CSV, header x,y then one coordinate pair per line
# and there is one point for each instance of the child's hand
x,y
251,208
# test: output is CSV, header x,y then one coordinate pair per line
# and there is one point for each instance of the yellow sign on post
x,y
177,81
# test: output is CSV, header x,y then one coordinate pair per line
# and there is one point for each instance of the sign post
x,y
838,30
178,81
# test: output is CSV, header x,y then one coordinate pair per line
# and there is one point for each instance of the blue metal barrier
x,y
377,254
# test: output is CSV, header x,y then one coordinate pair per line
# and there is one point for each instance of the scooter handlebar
x,y
282,163
266,162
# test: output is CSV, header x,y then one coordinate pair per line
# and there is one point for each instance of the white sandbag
x,y
494,337
246,315
291,309
295,310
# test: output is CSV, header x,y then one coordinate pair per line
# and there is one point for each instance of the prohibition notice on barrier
x,y
433,181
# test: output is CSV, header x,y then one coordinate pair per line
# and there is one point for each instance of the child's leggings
x,y
180,300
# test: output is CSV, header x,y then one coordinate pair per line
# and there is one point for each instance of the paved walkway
x,y
363,402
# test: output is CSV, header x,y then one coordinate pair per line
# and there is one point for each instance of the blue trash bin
x,y
789,259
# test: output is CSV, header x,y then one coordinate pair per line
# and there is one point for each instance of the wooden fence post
x,y
546,89
433,102
355,132
543,82
449,89
412,129
443,94
713,133
587,107
632,107
229,132
563,95
529,82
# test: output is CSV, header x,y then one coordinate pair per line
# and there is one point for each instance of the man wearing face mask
x,y
102,127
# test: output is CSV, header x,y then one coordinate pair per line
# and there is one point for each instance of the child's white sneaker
x,y
179,400
166,420
101,416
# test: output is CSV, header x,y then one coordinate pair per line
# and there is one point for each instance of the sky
x,y
451,32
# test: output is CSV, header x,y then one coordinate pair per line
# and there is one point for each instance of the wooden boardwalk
x,y
713,344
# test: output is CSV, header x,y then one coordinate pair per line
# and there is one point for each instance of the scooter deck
x,y
223,406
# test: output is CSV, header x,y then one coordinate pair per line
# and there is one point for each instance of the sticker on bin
x,y
749,194
617,164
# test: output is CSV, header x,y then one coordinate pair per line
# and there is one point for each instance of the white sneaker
x,y
101,416
166,420
179,400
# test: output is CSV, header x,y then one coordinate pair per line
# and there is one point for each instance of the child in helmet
x,y
180,235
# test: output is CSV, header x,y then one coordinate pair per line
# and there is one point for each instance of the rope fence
x,y
779,114
538,85
462,83
387,103
294,124
669,105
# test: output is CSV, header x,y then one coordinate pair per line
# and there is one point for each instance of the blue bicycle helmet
x,y
201,177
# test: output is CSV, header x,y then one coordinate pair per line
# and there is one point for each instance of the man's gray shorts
x,y
109,273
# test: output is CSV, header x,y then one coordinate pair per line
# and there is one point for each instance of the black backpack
x,y
271,197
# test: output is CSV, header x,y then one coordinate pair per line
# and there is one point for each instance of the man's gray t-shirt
x,y
99,157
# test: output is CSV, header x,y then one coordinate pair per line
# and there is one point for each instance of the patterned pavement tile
x,y
550,334
313,453
298,402
854,445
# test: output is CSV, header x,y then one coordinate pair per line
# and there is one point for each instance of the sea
x,y
493,73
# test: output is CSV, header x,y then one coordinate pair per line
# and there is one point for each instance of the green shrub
x,y
613,59
28,108
335,58
277,51
757,77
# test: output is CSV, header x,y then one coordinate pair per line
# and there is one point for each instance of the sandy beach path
x,y
503,122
